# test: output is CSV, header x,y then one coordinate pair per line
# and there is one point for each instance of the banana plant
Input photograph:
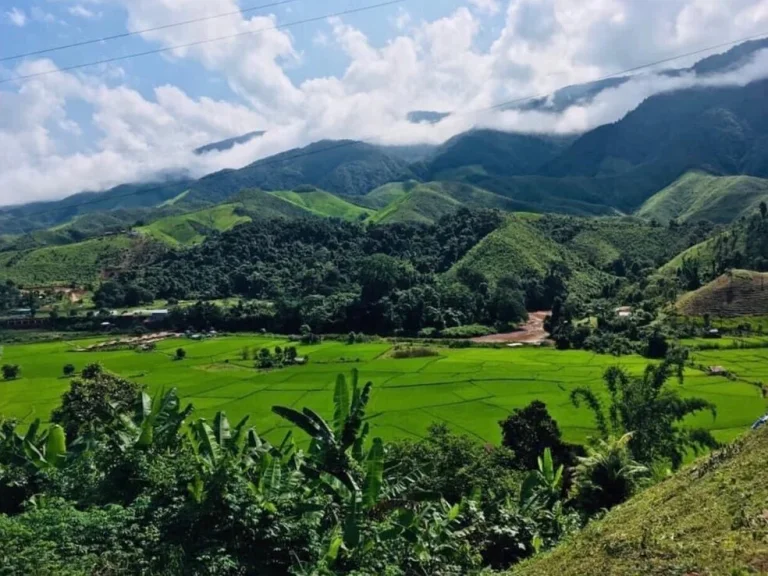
x,y
542,488
35,450
332,445
155,422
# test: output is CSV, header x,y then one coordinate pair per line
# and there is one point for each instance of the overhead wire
x,y
114,59
348,143
122,35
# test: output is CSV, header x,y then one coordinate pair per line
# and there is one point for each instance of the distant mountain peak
x,y
229,143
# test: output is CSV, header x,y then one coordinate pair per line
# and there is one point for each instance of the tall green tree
x,y
653,412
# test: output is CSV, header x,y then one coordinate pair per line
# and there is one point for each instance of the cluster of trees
x,y
10,296
338,277
266,359
121,482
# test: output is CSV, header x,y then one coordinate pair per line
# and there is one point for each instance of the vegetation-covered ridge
x,y
708,519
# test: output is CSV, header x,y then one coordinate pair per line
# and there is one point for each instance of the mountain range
x,y
713,133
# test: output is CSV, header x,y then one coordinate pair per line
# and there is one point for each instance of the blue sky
x,y
356,76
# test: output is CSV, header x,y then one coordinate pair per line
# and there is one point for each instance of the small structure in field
x,y
623,311
717,371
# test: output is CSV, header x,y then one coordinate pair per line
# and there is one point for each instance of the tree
x,y
11,371
93,399
528,431
763,210
69,369
656,346
181,354
92,371
652,412
607,476
110,294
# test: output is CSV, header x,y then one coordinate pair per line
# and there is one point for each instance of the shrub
x,y
469,331
181,354
11,371
414,352
69,369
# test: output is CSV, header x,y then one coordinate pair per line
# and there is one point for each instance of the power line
x,y
201,42
348,143
144,31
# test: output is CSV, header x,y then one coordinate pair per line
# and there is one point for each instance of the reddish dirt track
x,y
532,332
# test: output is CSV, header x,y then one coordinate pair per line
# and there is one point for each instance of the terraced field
x,y
469,389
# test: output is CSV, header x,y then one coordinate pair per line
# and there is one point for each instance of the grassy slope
x,y
700,196
428,202
518,248
192,228
385,195
709,519
743,293
80,263
324,203
422,204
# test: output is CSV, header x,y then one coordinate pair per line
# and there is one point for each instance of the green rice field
x,y
469,389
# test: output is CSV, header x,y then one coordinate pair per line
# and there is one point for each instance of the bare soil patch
x,y
532,332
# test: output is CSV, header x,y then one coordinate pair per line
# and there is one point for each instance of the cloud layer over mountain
x,y
439,65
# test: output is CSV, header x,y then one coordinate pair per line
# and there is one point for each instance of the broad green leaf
x,y
453,513
333,550
221,429
209,448
374,475
341,404
31,435
56,446
297,419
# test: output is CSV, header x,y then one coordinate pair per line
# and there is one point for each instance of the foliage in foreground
x,y
133,484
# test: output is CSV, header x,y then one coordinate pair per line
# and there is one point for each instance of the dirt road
x,y
532,332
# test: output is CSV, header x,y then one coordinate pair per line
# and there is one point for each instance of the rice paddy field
x,y
469,389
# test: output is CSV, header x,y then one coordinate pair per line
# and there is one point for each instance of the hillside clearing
x,y
738,293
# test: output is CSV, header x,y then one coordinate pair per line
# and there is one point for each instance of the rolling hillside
x,y
710,519
80,263
739,293
520,249
324,203
193,228
701,196
429,202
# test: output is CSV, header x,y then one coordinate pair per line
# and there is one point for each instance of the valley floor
x,y
471,389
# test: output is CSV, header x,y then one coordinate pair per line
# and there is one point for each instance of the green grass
x,y
469,389
709,520
324,203
701,196
79,263
194,227
385,195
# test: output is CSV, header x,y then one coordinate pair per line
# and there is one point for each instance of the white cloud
x,y
17,17
82,12
435,65
491,7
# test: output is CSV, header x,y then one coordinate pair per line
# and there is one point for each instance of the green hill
x,y
429,202
194,227
385,195
738,293
710,519
422,204
520,249
324,203
80,263
701,196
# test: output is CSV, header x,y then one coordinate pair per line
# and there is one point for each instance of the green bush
x,y
469,331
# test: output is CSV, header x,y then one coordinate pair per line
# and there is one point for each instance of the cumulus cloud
x,y
428,65
16,17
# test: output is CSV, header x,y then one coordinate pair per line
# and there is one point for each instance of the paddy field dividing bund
x,y
468,389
